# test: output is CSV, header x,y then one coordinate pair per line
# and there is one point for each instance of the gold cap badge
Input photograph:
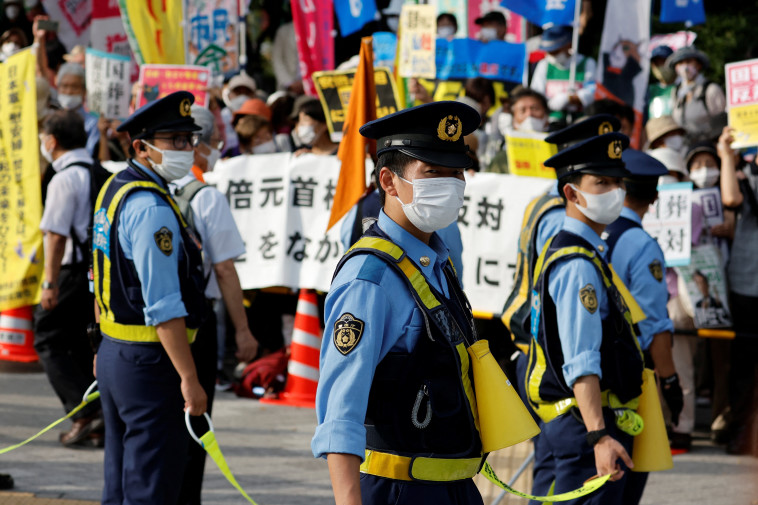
x,y
614,150
185,108
605,127
449,129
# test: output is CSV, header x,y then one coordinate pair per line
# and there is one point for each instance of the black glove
x,y
672,393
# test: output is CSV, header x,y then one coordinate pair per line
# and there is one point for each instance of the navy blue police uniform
x,y
147,270
581,325
395,386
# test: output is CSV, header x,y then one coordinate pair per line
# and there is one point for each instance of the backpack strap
x,y
183,197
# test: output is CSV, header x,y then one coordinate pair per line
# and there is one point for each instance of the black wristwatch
x,y
593,437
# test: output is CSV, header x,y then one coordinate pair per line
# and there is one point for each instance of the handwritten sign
x,y
418,32
108,83
669,222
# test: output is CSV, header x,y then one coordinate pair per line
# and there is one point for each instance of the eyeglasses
x,y
180,142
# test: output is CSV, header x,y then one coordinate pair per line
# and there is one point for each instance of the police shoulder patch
x,y
588,296
163,239
347,333
656,269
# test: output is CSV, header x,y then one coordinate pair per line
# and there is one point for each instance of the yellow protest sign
x,y
20,197
527,151
742,101
154,28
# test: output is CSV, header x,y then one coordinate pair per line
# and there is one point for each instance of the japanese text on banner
x,y
742,101
213,35
20,199
527,153
418,32
669,221
108,84
160,80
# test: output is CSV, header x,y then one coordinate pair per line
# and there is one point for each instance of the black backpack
x,y
97,178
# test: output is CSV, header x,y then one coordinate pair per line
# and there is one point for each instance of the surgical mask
x,y
487,34
235,103
265,148
675,142
504,123
667,179
70,102
436,202
12,11
175,164
306,133
444,32
10,48
604,208
687,72
705,177
532,124
45,152
213,158
562,59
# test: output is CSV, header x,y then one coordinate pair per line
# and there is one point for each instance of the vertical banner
x,y
74,17
158,81
669,221
108,84
418,26
742,101
213,36
154,28
20,199
527,152
313,20
622,73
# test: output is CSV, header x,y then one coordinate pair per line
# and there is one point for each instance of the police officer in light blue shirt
x,y
149,282
639,261
585,364
392,387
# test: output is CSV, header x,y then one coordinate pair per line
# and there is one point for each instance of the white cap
x,y
672,159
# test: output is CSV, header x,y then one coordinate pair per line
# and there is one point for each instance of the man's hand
x,y
49,299
195,400
607,453
672,393
247,345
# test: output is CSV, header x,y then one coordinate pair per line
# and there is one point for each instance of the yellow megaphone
x,y
651,451
503,418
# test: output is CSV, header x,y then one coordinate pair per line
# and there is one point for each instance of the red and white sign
x,y
314,24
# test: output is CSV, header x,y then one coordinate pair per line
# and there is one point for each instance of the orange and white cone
x,y
17,335
302,369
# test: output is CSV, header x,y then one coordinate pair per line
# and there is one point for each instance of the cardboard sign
x,y
418,32
334,89
158,81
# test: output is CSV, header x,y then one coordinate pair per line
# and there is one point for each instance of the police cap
x,y
432,133
172,113
598,156
642,165
584,129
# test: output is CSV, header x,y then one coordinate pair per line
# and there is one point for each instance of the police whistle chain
x,y
209,443
89,396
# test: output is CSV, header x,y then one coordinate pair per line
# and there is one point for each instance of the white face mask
x,y
675,142
562,59
44,151
265,148
10,48
532,124
444,32
236,103
667,179
12,12
70,102
604,208
175,164
212,158
436,202
705,177
487,34
306,133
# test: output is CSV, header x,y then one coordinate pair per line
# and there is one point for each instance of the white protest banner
x,y
418,35
490,224
281,205
669,221
706,287
108,84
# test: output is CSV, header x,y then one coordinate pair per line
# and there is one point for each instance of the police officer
x,y
396,423
148,280
585,364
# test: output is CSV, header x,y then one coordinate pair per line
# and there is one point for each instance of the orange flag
x,y
352,151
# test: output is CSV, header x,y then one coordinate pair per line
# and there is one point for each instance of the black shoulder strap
x,y
183,197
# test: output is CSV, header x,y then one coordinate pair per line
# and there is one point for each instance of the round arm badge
x,y
589,298
347,333
163,239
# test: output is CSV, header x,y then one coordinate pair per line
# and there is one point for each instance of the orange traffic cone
x,y
17,335
302,369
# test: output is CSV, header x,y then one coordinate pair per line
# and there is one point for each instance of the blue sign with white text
x,y
691,12
467,58
543,12
354,14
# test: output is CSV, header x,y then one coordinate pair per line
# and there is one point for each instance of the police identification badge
x,y
656,269
589,298
449,129
163,240
347,333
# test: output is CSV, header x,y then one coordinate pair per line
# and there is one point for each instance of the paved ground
x,y
267,448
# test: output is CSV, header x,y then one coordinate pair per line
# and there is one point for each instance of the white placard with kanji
x,y
669,221
108,84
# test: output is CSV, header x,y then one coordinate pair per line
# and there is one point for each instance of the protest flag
x,y
352,151
543,12
155,30
690,12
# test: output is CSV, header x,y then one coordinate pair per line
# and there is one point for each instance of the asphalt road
x,y
268,449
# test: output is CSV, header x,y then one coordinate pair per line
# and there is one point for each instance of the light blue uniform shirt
x,y
633,259
580,331
550,223
392,321
144,214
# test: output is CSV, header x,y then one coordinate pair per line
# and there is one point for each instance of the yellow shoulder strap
x,y
634,309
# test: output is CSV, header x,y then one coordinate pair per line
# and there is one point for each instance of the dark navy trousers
x,y
381,491
145,437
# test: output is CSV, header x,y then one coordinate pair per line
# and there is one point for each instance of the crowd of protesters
x,y
265,111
